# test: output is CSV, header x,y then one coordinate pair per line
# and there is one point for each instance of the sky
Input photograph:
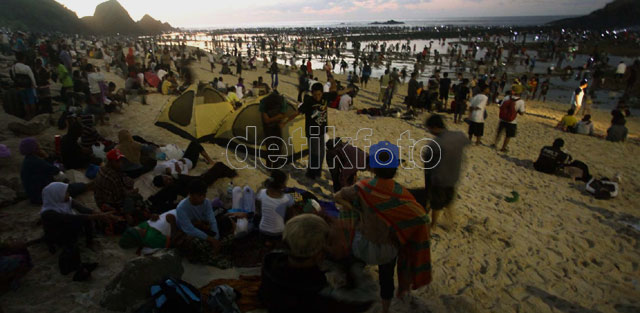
x,y
204,13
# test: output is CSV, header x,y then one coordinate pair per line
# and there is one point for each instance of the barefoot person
x,y
442,170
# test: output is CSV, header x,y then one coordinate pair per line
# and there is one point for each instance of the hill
x,y
38,15
149,25
109,18
616,14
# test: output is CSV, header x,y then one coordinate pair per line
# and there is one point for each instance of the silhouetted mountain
x,y
38,15
149,25
619,13
109,18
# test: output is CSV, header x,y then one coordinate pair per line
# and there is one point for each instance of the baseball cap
x,y
114,155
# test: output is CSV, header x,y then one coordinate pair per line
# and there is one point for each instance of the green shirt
x,y
153,238
64,77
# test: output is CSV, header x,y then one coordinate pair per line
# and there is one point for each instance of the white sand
x,y
555,250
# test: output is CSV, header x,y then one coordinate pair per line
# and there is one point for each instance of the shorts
x,y
440,197
444,95
28,96
476,129
461,107
509,127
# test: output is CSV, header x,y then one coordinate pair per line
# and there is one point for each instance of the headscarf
x,y
53,198
28,146
5,152
128,147
131,239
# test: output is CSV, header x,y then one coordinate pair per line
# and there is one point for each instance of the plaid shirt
x,y
111,187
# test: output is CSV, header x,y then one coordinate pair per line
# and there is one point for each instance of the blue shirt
x,y
187,212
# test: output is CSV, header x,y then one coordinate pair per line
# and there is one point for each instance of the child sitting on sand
x,y
273,207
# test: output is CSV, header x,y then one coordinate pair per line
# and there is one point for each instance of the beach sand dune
x,y
557,249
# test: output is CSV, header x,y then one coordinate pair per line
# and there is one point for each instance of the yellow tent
x,y
196,114
203,114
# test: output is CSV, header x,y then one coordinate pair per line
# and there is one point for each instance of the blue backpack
x,y
173,295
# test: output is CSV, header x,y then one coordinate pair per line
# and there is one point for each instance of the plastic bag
x,y
98,151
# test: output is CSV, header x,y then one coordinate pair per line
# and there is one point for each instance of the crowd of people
x,y
380,222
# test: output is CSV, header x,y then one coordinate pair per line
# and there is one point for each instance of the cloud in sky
x,y
200,13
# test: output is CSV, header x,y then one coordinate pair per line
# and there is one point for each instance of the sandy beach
x,y
557,249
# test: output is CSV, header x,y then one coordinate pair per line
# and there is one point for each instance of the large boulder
x,y
130,288
8,196
32,128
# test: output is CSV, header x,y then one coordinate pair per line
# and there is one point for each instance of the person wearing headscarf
x,y
63,221
134,165
36,173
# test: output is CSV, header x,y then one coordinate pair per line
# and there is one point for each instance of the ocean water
x,y
439,21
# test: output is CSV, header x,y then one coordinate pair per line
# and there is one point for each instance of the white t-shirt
x,y
161,73
184,164
480,102
519,108
622,68
273,211
345,102
327,87
23,69
221,85
161,224
95,78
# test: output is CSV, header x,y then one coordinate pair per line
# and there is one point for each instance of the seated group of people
x,y
293,279
119,203
617,132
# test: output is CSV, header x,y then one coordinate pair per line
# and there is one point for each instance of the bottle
x,y
230,189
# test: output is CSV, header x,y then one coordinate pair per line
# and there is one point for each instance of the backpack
x,y
173,295
508,112
222,300
602,189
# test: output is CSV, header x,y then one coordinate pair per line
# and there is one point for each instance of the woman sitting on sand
x,y
585,126
137,163
617,132
273,207
62,226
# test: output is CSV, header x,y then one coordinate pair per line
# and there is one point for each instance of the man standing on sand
x,y
576,101
384,82
445,86
314,108
476,115
511,106
442,170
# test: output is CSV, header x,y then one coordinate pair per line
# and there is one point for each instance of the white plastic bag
x,y
98,151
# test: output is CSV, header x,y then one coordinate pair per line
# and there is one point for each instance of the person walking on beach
x,y
412,92
461,97
442,171
274,70
511,106
239,65
578,97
